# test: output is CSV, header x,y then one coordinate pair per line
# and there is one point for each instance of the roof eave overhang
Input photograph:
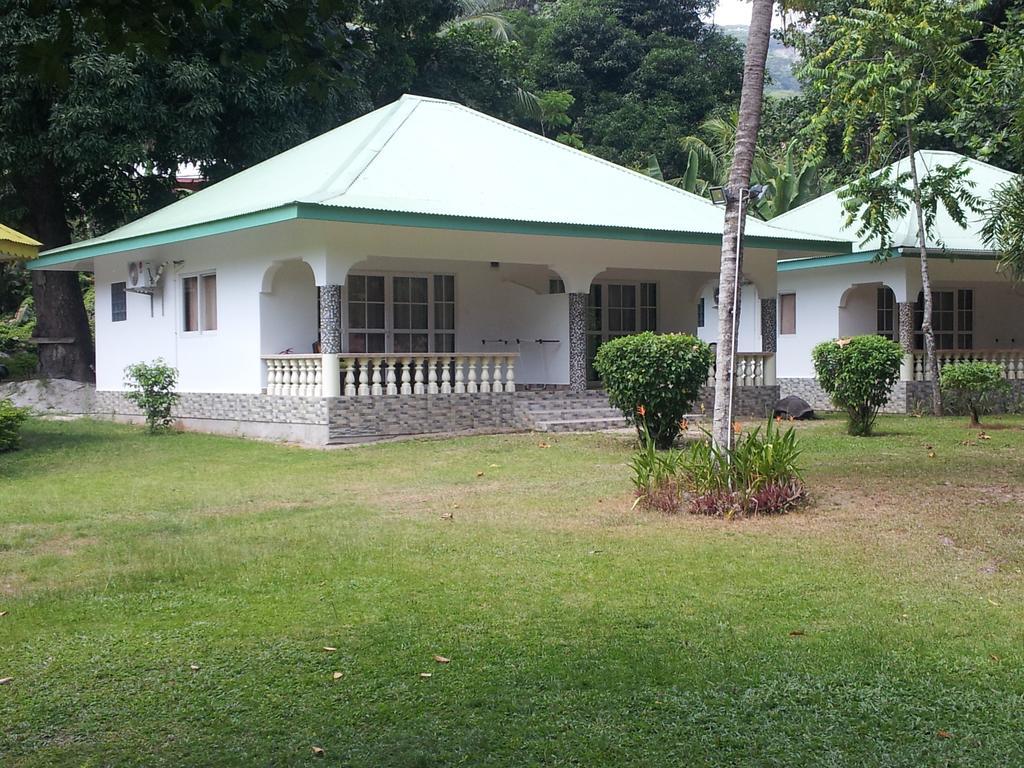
x,y
877,256
71,254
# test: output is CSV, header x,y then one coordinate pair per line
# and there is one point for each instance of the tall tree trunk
x,y
62,326
931,360
732,234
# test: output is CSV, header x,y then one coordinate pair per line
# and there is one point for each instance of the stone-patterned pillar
x,y
905,310
578,342
330,338
769,337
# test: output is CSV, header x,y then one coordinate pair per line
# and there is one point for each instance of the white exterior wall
x,y
507,302
225,360
749,339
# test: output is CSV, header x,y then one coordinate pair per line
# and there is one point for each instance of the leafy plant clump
x,y
656,473
11,419
858,374
973,387
153,391
758,476
660,374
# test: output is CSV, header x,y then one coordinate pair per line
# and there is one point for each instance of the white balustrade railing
x,y
1010,360
372,375
294,375
753,369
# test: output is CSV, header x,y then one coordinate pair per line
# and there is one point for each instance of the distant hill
x,y
781,61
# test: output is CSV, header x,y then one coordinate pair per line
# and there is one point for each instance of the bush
x,y
153,385
20,365
858,374
759,475
659,373
11,419
973,386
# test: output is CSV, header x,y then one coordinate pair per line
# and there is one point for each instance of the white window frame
x,y
201,299
389,310
795,320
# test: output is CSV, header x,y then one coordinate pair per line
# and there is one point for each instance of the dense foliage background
x,y
101,102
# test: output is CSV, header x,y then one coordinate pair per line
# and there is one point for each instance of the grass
x,y
881,626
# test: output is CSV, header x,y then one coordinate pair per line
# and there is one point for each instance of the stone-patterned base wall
x,y
750,401
250,415
919,399
811,391
361,418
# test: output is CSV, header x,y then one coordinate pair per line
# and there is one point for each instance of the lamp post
x,y
722,196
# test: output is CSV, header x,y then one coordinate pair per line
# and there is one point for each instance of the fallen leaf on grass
x,y
983,436
330,648
194,667
337,675
797,633
931,454
543,445
6,680
494,466
425,675
479,474
993,602
447,516
2,614
944,734
442,659
318,751
994,657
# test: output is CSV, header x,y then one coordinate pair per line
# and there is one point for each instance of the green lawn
x,y
882,626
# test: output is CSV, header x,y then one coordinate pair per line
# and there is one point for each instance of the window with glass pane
x,y
648,306
444,313
787,313
118,302
621,310
410,315
556,286
700,312
208,302
943,319
594,309
886,313
965,318
199,303
190,304
366,329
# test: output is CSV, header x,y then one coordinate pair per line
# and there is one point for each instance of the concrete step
x,y
547,414
581,425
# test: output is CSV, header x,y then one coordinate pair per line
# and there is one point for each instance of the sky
x,y
733,12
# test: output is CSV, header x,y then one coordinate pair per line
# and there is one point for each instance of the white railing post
x,y
375,383
406,376
471,387
364,378
432,388
446,375
460,387
350,377
417,388
485,375
389,380
510,373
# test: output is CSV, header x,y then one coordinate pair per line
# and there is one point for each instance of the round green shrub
x,y
11,419
973,386
858,374
660,373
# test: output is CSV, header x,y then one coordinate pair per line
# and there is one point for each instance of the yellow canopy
x,y
15,246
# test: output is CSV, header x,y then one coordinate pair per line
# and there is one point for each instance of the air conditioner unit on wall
x,y
142,278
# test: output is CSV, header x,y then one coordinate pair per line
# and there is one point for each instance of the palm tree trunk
x,y
931,361
732,233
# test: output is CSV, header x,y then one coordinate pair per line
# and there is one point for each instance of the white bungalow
x,y
420,269
978,314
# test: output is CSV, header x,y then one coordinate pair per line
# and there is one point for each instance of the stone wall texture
x,y
227,406
361,418
751,402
